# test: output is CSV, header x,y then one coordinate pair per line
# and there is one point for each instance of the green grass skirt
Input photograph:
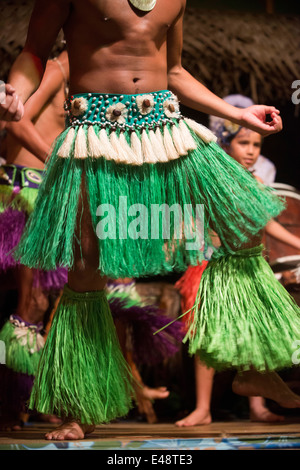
x,y
23,201
82,373
243,317
234,205
22,349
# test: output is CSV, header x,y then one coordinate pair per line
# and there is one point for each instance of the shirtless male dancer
x,y
122,47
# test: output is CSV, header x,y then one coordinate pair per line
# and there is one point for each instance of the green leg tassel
x,y
243,317
82,373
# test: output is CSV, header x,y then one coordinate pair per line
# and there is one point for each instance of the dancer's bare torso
x,y
112,46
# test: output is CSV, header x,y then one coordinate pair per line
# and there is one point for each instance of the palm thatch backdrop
x,y
14,20
254,54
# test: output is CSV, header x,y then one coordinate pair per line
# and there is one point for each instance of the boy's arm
x,y
275,230
47,19
25,131
195,95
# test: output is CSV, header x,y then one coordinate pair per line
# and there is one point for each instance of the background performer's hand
x,y
11,107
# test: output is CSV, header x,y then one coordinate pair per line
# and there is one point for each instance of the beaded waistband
x,y
20,323
130,129
20,176
114,111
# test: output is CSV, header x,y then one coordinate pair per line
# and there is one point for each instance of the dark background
x,y
279,6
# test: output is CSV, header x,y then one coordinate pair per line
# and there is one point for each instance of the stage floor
x,y
141,436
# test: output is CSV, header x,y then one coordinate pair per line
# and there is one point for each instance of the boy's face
x,y
245,147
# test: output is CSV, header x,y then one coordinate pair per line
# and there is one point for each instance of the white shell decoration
x,y
79,106
144,5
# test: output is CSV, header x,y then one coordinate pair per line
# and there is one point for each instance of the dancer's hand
x,y
254,117
11,107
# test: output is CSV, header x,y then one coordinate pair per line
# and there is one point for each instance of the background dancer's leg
x,y
268,385
24,277
259,412
204,382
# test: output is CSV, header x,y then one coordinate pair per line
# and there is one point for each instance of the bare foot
x,y
10,424
145,396
158,393
263,415
196,418
70,430
268,385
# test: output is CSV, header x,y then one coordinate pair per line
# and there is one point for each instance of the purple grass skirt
x,y
12,223
142,321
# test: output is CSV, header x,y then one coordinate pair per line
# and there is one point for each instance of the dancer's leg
x,y
269,385
83,277
145,395
204,383
24,277
259,412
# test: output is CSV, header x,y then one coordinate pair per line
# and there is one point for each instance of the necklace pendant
x,y
144,5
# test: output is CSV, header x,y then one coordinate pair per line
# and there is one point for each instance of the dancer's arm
x,y
47,19
25,131
27,136
195,95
